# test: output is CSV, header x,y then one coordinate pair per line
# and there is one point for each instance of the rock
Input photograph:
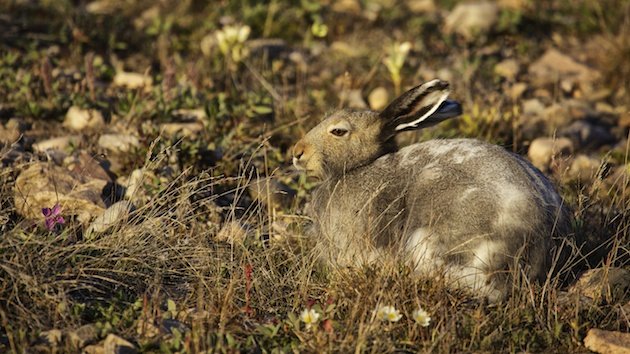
x,y
378,98
587,135
82,336
79,119
607,342
51,338
345,49
94,349
347,6
472,19
102,7
543,151
132,80
271,192
508,69
9,134
555,117
533,107
517,90
43,185
116,345
118,143
584,168
134,184
421,6
612,284
88,166
117,213
189,130
59,143
553,66
515,5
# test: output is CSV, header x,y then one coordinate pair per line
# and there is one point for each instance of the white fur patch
x,y
423,257
512,200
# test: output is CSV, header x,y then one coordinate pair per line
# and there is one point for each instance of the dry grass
x,y
233,273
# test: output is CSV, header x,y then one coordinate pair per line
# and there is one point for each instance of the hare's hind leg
x,y
468,266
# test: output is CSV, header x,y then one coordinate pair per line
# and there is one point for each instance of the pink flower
x,y
52,217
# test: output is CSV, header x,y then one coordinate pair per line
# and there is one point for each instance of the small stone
x,y
189,130
345,49
134,184
82,336
347,6
79,119
543,151
114,344
612,284
378,98
508,69
114,215
59,143
533,107
51,338
102,7
584,168
94,349
472,19
517,90
9,134
607,342
118,143
421,6
554,65
132,80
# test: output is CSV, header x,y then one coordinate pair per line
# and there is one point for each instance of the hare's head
x,y
348,139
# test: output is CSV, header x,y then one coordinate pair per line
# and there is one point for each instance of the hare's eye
x,y
338,132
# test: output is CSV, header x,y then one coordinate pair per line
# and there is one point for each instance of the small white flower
x,y
309,317
421,317
388,313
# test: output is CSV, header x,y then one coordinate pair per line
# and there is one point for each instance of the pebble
x,y
378,98
132,80
79,119
117,213
472,19
118,143
542,151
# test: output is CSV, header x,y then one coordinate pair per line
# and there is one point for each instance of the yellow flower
x,y
421,317
309,317
388,313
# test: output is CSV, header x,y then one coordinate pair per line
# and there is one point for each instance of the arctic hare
x,y
464,209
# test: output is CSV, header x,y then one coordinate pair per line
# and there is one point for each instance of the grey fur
x,y
464,209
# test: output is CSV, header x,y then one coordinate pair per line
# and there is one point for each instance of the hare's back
x,y
470,184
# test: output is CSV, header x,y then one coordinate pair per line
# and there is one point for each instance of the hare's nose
x,y
298,150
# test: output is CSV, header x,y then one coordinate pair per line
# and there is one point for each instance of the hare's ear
x,y
420,107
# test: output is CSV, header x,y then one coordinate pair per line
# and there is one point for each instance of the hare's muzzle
x,y
298,152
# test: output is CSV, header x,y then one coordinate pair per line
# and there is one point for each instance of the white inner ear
x,y
436,105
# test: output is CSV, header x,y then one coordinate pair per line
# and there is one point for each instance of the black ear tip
x,y
449,108
436,84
